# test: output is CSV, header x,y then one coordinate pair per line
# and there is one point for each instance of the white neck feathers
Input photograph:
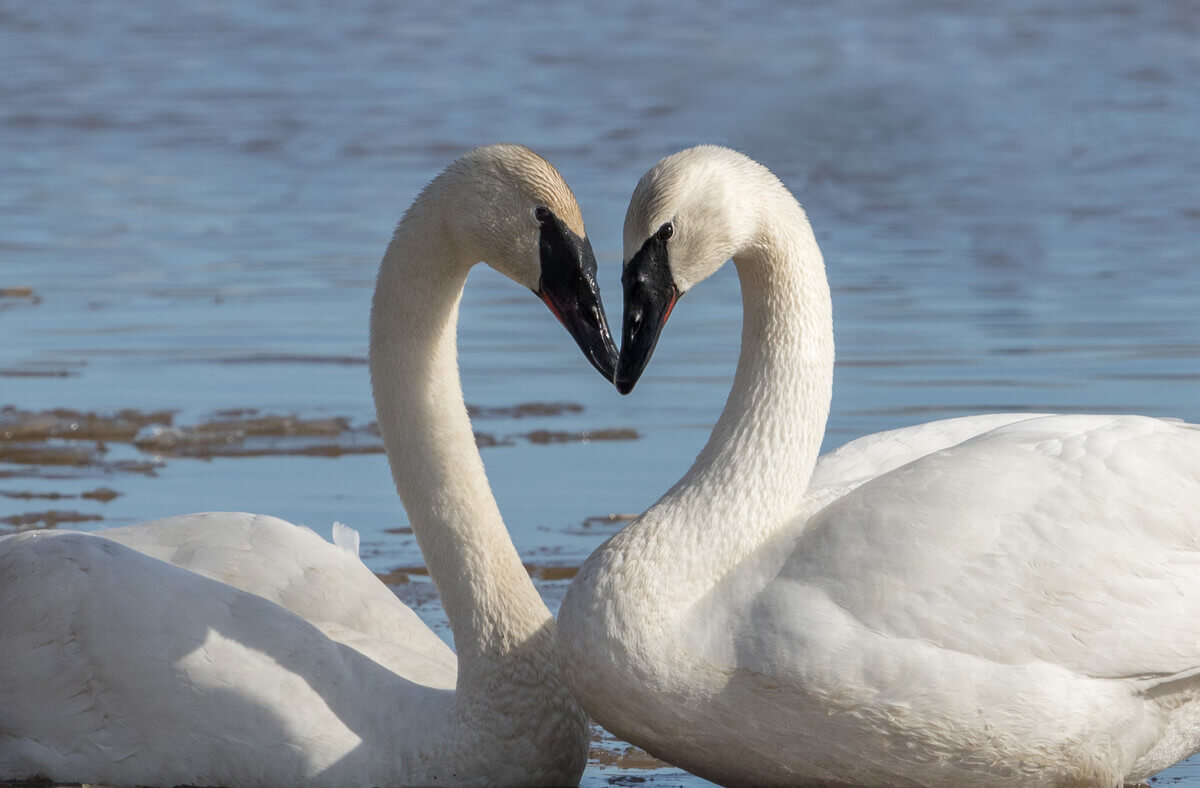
x,y
491,604
769,434
755,469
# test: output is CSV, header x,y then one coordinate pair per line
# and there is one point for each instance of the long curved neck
x,y
489,599
754,471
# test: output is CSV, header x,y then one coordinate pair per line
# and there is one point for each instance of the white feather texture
x,y
346,538
1009,599
235,649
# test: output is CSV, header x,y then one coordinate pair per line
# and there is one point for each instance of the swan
x,y
229,649
1008,599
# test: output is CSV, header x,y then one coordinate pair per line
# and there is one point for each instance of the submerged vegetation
x,y
69,445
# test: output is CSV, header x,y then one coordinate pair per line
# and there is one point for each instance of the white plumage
x,y
233,649
984,601
122,668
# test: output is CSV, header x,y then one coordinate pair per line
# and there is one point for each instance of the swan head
x,y
514,211
689,214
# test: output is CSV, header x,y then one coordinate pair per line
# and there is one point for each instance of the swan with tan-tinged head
x,y
1009,599
228,649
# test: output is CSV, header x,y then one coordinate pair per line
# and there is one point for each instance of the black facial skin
x,y
568,286
650,295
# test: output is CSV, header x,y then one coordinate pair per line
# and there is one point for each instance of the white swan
x,y
255,653
994,600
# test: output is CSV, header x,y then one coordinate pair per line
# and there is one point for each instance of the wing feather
x,y
295,568
1070,540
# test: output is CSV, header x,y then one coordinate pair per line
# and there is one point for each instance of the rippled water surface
x,y
194,199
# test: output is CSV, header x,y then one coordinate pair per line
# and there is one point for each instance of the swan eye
x,y
666,231
542,214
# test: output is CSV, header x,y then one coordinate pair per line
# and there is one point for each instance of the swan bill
x,y
650,295
568,287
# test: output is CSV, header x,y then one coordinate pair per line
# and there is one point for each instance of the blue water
x,y
199,194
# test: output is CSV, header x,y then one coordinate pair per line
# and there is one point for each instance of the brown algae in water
x,y
486,440
402,574
551,573
50,454
24,425
11,296
36,373
628,757
608,519
584,436
101,494
27,495
47,519
65,437
522,410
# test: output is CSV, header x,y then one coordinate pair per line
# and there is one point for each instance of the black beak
x,y
650,295
568,286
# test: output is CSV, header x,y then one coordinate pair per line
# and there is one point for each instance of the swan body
x,y
233,649
133,671
992,600
325,584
